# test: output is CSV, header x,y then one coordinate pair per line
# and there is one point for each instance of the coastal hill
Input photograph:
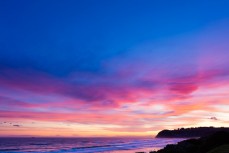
x,y
190,132
213,143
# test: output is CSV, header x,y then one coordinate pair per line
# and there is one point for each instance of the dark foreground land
x,y
214,143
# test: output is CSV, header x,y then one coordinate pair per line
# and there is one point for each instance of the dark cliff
x,y
214,143
190,132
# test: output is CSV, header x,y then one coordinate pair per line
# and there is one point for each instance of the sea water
x,y
83,145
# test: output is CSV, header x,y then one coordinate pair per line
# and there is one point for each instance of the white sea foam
x,y
82,145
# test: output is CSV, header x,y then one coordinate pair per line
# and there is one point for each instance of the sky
x,y
112,68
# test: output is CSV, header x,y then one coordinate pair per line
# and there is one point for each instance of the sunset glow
x,y
78,70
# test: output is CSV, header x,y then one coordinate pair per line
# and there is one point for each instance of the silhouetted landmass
x,y
214,143
190,132
220,149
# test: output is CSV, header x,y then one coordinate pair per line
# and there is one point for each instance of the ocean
x,y
83,145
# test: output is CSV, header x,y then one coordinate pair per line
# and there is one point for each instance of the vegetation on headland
x,y
217,141
214,143
190,132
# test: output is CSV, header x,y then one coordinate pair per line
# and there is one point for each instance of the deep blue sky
x,y
60,37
